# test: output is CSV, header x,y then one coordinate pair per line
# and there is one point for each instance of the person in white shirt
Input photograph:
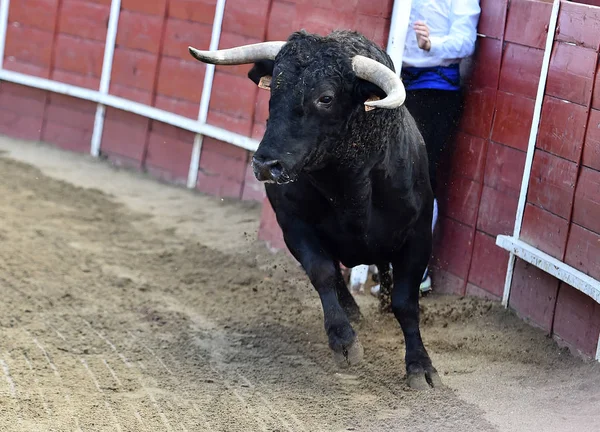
x,y
441,34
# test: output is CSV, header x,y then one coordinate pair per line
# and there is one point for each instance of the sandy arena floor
x,y
130,305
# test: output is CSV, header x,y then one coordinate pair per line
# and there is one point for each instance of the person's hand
x,y
422,32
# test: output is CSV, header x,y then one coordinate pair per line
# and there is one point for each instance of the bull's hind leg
x,y
345,298
408,272
385,287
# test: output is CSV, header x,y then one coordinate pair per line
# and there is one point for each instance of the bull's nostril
x,y
276,170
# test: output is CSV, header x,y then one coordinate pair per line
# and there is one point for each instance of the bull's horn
x,y
383,77
239,55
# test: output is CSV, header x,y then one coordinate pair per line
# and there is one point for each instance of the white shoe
x,y
426,285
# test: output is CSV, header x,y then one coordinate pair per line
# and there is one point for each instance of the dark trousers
x,y
437,113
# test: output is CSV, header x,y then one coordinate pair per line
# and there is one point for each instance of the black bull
x,y
346,173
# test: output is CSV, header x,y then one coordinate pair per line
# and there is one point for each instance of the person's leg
x,y
437,113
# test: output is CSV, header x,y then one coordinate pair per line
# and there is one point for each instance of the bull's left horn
x,y
383,77
239,55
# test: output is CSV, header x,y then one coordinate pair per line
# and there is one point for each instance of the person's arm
x,y
460,40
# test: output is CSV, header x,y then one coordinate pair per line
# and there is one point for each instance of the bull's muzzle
x,y
269,170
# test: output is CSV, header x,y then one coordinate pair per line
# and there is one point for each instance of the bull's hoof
x,y
417,381
349,356
424,379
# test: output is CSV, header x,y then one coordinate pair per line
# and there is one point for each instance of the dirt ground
x,y
131,305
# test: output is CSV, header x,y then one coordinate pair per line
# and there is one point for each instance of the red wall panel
x,y
28,51
134,69
469,157
84,19
491,20
545,231
124,137
21,111
222,169
154,7
453,252
269,231
478,112
579,25
486,68
527,22
591,148
246,17
139,31
180,34
577,320
512,123
496,212
169,152
521,67
39,14
282,14
533,294
78,61
552,183
488,268
583,250
562,128
571,73
504,169
188,85
586,208
461,205
68,123
378,8
202,11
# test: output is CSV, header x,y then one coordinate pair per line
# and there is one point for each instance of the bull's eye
x,y
325,100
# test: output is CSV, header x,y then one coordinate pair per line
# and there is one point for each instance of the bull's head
x,y
319,85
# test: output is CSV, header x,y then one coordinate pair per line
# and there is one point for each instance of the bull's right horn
x,y
239,55
383,77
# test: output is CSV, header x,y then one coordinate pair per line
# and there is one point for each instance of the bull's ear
x,y
367,91
261,73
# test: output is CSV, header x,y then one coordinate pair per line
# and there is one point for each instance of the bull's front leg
x,y
325,275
